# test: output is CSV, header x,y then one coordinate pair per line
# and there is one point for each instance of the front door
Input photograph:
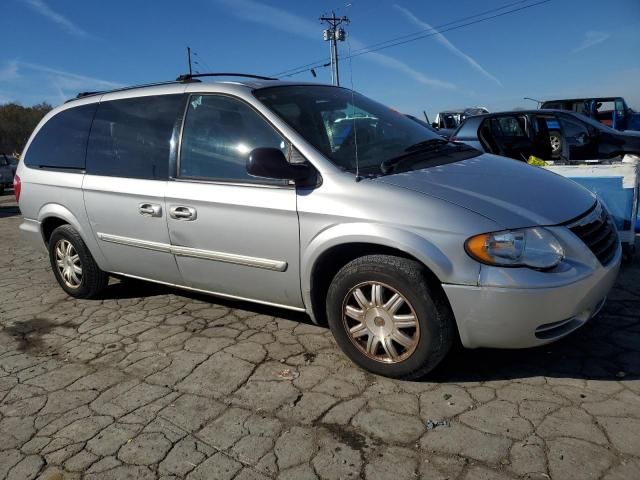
x,y
231,233
579,142
124,188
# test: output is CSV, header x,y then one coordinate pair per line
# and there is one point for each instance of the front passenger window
x,y
219,133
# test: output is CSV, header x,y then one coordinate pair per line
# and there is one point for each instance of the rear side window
x,y
131,137
62,141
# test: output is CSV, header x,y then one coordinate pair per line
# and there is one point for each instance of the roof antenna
x,y
189,59
353,115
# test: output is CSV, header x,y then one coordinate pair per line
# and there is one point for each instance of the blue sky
x,y
52,49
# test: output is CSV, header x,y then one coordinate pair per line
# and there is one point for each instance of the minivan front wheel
x,y
73,266
387,318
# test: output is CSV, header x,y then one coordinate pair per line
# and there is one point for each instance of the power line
x,y
508,5
401,40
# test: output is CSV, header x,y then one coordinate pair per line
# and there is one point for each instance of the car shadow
x,y
606,348
131,288
9,211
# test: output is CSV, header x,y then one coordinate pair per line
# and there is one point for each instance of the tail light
x,y
17,187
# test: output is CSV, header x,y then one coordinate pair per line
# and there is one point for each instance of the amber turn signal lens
x,y
478,247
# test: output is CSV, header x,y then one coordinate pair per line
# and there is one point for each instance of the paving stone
x,y
577,459
218,466
84,428
342,413
145,449
444,402
191,412
393,462
528,457
295,446
307,407
217,377
183,457
252,448
498,417
389,426
336,460
26,469
123,472
571,422
460,439
227,429
8,458
624,433
269,396
109,440
80,461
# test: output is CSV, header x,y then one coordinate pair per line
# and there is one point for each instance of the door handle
x,y
150,210
183,213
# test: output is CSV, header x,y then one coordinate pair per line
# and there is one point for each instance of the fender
x,y
58,211
415,245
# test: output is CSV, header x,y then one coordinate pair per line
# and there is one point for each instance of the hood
x,y
509,192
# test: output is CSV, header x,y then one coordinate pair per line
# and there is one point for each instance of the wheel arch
x,y
335,247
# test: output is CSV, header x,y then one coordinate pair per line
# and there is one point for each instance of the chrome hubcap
x,y
68,263
555,143
380,322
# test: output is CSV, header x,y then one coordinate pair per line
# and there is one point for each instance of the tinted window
x,y
62,141
511,126
219,133
131,137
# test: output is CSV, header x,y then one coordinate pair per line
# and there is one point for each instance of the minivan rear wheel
x,y
73,266
387,318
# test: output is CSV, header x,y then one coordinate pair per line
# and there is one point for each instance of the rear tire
x,y
387,318
73,265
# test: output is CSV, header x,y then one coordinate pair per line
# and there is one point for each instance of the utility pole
x,y
189,58
333,34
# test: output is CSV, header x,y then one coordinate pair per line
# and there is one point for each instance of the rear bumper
x,y
31,234
501,317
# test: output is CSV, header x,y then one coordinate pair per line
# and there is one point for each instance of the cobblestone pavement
x,y
151,382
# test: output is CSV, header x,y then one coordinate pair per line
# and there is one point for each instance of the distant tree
x,y
17,123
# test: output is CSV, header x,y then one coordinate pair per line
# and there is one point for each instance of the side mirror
x,y
434,125
271,163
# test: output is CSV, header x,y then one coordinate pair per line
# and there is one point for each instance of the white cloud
x,y
591,38
280,19
450,46
46,11
21,80
9,71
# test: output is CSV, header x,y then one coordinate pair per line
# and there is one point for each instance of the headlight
x,y
529,247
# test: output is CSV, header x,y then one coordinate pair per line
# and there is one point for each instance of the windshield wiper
x,y
427,144
432,144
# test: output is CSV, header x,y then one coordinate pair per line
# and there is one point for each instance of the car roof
x,y
606,99
178,87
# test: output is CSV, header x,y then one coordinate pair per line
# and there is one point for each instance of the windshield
x,y
331,119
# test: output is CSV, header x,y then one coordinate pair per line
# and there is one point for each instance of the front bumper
x,y
511,317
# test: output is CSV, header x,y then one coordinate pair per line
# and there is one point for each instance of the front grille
x,y
598,233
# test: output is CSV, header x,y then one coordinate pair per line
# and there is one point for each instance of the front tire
x,y
73,266
387,318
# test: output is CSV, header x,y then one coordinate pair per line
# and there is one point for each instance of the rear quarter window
x,y
131,137
62,141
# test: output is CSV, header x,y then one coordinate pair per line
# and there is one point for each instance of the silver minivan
x,y
317,199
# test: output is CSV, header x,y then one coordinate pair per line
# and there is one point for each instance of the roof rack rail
x,y
123,89
187,77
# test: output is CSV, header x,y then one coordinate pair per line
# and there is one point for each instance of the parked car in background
x,y
8,167
446,122
546,134
316,199
611,111
424,124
